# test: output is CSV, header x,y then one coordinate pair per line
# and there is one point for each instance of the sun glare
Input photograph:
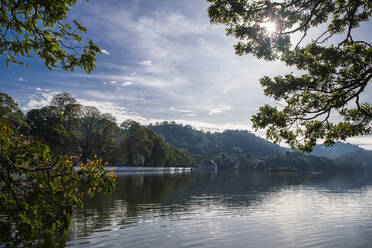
x,y
270,27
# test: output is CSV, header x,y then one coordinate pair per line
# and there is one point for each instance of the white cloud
x,y
191,115
40,99
220,110
181,110
120,113
146,62
362,141
105,52
115,82
21,79
126,84
212,127
104,96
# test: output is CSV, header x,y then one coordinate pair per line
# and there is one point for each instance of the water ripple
x,y
289,215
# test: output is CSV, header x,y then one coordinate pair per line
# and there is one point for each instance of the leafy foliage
x,y
336,73
83,131
38,192
11,111
47,124
96,134
32,27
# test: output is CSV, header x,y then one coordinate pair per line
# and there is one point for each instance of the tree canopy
x,y
32,27
325,102
38,190
84,131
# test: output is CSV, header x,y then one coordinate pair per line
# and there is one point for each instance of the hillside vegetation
x,y
241,149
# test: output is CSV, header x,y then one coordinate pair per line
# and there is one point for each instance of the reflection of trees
x,y
139,195
12,235
145,197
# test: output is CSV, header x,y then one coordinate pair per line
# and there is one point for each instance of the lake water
x,y
228,210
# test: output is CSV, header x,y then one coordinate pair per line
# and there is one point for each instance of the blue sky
x,y
162,60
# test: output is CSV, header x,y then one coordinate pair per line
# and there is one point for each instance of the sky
x,y
161,60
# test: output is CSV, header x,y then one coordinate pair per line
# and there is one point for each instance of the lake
x,y
228,210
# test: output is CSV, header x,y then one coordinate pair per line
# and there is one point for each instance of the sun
x,y
270,27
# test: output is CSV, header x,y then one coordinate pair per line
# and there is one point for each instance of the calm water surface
x,y
228,210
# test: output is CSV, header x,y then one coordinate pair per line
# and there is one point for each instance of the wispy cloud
x,y
114,82
220,110
105,96
39,99
146,62
185,112
21,79
105,52
363,141
126,84
181,110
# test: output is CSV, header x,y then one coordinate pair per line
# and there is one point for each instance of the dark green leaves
x,y
39,191
30,28
324,102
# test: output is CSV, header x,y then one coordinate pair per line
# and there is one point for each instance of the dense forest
x,y
230,149
83,132
240,149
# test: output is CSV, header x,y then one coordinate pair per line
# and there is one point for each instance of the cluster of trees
x,y
240,149
84,132
39,189
39,185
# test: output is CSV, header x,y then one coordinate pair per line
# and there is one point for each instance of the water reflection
x,y
228,209
225,210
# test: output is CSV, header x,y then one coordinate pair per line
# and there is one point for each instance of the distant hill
x,y
345,151
207,143
241,149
